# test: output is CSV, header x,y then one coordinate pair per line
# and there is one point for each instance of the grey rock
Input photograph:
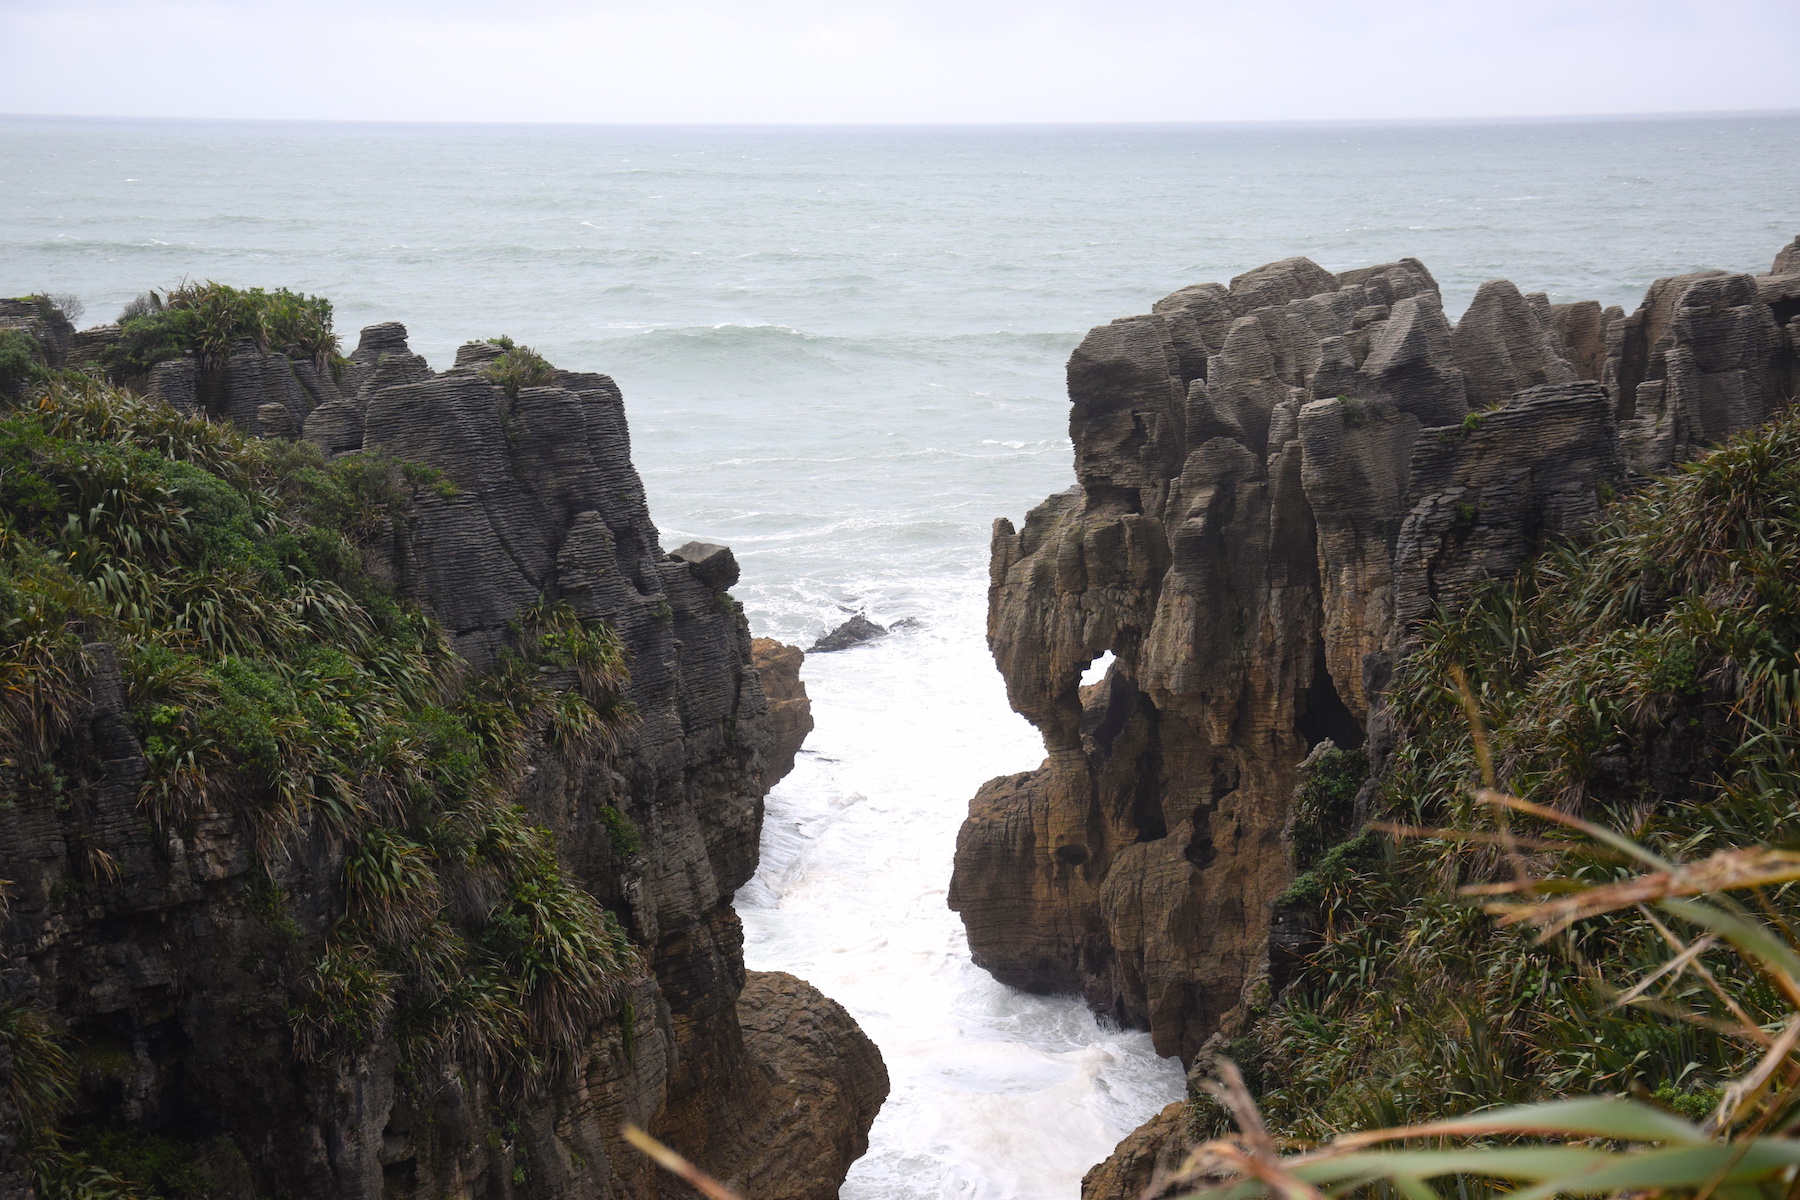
x,y
1719,364
1279,282
713,565
274,420
1503,346
1411,363
45,323
175,383
471,355
1483,500
1580,331
854,632
1636,344
1787,260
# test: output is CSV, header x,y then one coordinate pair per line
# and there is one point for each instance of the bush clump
x,y
517,367
21,362
204,321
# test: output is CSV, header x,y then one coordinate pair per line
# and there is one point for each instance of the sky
x,y
895,61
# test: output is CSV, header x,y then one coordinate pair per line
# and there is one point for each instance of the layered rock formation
x,y
1275,480
165,973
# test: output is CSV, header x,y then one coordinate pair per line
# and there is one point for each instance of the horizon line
x,y
1237,122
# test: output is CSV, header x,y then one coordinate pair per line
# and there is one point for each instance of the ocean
x,y
841,351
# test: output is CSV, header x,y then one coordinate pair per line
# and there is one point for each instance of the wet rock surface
x,y
1275,479
790,711
854,632
1152,1153
168,971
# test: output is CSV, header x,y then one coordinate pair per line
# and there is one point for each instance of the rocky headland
x,y
1277,480
166,957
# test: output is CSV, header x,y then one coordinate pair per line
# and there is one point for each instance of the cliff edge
x,y
168,952
1274,480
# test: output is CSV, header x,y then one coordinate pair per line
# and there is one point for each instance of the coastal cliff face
x,y
168,975
1275,480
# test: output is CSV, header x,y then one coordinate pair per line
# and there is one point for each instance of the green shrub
x,y
204,320
517,367
21,362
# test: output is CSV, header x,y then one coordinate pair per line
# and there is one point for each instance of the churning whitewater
x,y
995,1093
841,353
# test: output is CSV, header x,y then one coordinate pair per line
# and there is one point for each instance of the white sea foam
x,y
996,1094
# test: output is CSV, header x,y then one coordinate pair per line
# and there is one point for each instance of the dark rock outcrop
x,y
714,566
1275,481
854,632
790,712
165,970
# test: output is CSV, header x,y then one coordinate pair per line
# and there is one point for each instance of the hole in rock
x,y
1322,712
1106,707
1072,854
1096,670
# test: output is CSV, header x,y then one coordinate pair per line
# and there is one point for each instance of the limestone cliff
x,y
1274,480
166,977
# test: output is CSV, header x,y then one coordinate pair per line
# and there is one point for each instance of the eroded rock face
x,y
1149,1155
1275,481
790,712
172,972
825,1084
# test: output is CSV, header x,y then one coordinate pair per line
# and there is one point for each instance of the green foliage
x,y
1647,679
620,831
517,367
1324,801
21,362
41,1091
161,1167
42,1083
265,673
205,320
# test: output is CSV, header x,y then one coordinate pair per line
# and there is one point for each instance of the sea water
x,y
841,350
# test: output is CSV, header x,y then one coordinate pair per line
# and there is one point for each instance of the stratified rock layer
x,y
1275,480
169,976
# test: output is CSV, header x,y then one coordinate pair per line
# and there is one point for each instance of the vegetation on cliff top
x,y
1646,680
267,676
206,319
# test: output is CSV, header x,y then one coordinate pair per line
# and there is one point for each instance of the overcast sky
x,y
895,60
